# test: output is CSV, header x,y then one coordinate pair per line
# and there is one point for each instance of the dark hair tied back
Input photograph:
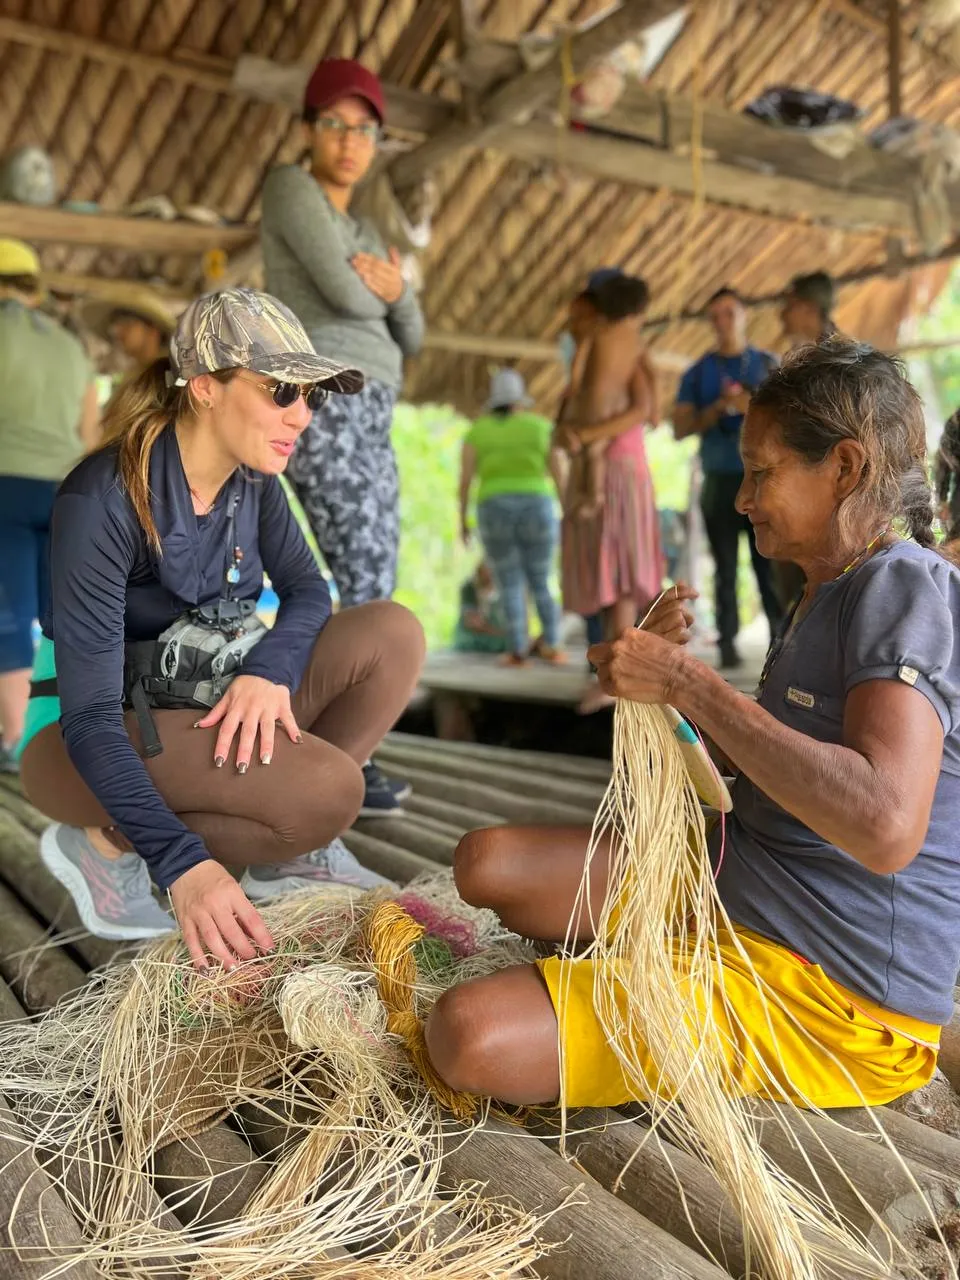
x,y
843,390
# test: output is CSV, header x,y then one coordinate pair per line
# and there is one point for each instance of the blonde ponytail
x,y
134,419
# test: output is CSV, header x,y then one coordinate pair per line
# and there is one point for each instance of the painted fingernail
x,y
196,724
219,761
242,768
298,739
265,759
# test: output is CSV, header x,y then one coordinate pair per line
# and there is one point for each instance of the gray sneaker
x,y
112,895
334,864
8,759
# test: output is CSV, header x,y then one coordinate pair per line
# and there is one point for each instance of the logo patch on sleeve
x,y
800,698
909,675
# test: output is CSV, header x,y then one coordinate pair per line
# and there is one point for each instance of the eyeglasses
x,y
366,132
284,394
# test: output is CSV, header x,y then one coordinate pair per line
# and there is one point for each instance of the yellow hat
x,y
18,259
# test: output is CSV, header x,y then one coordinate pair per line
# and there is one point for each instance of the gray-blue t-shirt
x,y
893,938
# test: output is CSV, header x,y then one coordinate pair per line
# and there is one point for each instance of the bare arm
x,y
88,428
653,383
468,469
688,420
640,409
870,796
559,467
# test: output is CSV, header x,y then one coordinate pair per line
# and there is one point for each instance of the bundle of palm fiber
x,y
658,984
324,1034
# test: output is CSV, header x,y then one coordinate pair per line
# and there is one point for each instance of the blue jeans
x,y
25,507
519,535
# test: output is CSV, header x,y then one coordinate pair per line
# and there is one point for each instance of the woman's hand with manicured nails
x,y
217,919
251,705
385,279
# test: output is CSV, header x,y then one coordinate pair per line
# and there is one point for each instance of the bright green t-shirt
x,y
511,453
44,373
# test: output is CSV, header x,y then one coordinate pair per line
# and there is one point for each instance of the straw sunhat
x,y
98,314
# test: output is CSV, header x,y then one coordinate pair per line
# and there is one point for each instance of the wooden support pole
x,y
561,766
38,972
599,1236
861,1177
43,1233
74,1182
894,59
641,1169
533,783
20,865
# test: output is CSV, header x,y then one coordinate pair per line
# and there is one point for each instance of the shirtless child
x,y
611,377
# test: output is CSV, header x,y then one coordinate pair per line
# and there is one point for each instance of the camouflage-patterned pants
x,y
345,474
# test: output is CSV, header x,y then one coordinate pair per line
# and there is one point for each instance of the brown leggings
x,y
358,681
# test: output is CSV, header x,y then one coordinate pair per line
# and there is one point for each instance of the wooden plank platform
x,y
606,1226
480,676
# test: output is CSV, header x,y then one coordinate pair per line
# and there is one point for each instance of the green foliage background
x,y
433,564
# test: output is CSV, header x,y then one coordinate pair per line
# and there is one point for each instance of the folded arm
x,y
295,209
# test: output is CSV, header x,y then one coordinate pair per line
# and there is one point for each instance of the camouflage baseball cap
x,y
247,329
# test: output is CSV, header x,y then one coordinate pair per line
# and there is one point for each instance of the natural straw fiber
x,y
314,1038
657,949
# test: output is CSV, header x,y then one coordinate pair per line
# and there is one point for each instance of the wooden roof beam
x,y
496,346
117,231
408,110
891,269
624,161
521,96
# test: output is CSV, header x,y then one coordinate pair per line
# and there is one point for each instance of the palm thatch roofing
x,y
135,98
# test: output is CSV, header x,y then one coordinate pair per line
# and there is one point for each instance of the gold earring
x,y
207,404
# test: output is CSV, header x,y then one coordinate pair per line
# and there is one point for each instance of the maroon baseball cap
x,y
336,78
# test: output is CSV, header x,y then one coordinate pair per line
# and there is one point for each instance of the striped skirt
x,y
617,552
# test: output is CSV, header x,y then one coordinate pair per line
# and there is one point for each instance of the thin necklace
x,y
207,505
776,647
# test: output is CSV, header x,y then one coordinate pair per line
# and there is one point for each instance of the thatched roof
x,y
138,99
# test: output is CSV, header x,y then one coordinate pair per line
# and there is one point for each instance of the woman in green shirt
x,y
508,450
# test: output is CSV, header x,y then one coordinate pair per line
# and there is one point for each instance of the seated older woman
x,y
841,866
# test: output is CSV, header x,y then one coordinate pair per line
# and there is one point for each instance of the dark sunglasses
x,y
284,394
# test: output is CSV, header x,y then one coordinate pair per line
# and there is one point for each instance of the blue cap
x,y
601,276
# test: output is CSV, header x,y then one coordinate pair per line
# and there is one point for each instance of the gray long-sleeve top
x,y
307,249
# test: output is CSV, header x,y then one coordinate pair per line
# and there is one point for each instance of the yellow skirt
x,y
797,1037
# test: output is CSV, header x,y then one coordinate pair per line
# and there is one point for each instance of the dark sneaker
x,y
334,864
383,796
730,659
112,895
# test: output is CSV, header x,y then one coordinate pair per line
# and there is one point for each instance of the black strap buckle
x,y
152,746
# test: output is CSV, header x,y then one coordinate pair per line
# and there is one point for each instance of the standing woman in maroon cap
x,y
336,275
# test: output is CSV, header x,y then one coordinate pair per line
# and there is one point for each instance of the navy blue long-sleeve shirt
x,y
109,586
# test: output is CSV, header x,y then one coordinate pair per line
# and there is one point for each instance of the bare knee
x,y
460,1040
479,868
497,1036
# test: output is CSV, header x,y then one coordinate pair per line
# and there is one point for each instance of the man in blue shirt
x,y
712,400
